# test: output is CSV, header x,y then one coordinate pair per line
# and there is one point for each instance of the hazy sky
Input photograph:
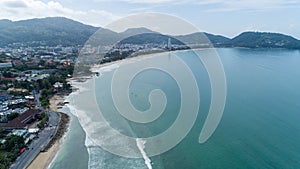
x,y
225,17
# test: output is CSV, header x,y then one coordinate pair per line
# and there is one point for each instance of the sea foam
x,y
141,145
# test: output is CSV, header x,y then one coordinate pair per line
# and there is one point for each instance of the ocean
x,y
259,128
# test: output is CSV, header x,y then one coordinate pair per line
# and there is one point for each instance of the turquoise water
x,y
73,153
260,127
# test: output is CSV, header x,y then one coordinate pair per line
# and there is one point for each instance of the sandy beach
x,y
43,160
56,102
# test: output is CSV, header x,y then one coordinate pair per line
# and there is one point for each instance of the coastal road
x,y
38,144
37,100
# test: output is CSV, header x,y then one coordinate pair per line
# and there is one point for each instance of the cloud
x,y
143,1
238,5
150,1
15,4
26,9
218,5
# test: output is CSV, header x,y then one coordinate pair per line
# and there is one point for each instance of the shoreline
x,y
96,68
44,159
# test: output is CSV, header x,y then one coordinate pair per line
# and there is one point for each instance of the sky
x,y
223,17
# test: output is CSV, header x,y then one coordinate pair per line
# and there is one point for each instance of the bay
x,y
259,129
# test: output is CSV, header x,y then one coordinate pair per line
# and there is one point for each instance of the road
x,y
36,145
37,99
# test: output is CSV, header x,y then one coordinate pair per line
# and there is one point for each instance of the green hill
x,y
52,31
264,40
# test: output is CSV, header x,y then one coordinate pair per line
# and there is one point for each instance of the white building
x,y
6,65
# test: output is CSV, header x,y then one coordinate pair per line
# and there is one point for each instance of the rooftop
x,y
21,121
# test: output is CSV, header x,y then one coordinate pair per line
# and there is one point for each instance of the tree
x,y
7,74
13,143
2,133
44,120
4,161
42,62
12,116
66,86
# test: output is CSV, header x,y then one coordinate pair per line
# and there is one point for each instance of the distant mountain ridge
x,y
264,40
53,31
63,31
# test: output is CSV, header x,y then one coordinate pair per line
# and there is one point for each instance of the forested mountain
x,y
54,31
